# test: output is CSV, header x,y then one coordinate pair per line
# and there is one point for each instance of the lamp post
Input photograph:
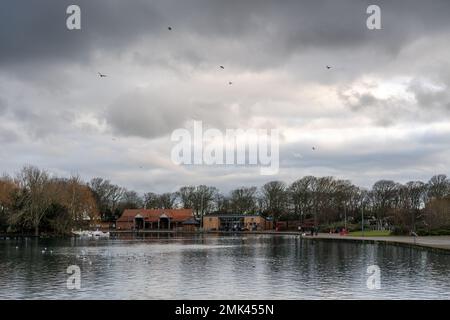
x,y
201,213
362,220
345,217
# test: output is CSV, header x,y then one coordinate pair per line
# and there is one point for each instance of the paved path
x,y
437,242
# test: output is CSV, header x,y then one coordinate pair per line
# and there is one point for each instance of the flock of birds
x,y
47,251
43,251
102,75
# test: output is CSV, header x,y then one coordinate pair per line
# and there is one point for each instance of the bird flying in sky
x,y
101,75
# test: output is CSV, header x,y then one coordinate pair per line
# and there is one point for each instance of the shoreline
x,y
439,244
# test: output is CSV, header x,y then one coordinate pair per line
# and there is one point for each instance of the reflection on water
x,y
218,267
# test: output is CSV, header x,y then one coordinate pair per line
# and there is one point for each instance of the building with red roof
x,y
154,219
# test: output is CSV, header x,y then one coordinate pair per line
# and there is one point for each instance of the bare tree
x,y
243,200
151,200
108,197
300,195
417,194
384,198
323,190
168,200
186,195
8,189
38,196
223,204
79,200
438,186
130,200
203,200
437,213
160,201
274,198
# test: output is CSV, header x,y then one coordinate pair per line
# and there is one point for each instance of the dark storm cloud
x,y
35,30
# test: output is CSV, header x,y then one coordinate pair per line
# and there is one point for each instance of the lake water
x,y
218,267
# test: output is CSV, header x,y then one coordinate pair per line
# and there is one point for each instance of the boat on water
x,y
81,233
91,234
100,234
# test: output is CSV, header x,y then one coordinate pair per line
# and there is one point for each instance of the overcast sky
x,y
381,112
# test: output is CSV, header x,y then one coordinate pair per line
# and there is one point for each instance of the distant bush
x,y
442,231
340,225
400,231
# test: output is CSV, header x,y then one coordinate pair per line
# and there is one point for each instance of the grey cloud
x,y
144,115
358,101
382,111
35,31
3,106
430,98
151,114
433,99
37,123
8,136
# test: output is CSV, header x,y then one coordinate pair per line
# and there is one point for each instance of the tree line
x,y
34,201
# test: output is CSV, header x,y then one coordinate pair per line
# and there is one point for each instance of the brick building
x,y
227,222
155,219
